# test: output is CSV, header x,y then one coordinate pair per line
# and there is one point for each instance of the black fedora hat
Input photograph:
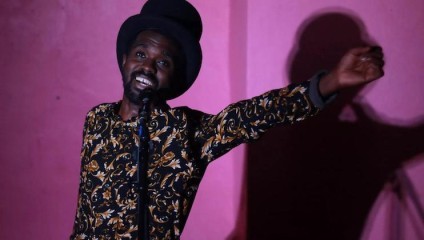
x,y
177,19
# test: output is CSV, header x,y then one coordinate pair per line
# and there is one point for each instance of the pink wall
x,y
319,179
58,60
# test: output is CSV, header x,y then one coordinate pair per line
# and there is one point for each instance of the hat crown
x,y
179,11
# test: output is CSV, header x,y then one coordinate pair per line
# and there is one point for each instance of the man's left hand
x,y
358,66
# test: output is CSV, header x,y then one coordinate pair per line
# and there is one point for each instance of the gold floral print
x,y
182,143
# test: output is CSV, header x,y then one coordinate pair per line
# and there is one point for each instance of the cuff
x,y
314,94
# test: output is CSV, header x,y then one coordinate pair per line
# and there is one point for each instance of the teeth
x,y
144,81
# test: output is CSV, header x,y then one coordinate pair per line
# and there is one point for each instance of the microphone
x,y
145,99
146,95
142,158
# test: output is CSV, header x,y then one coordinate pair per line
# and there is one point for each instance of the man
x,y
159,57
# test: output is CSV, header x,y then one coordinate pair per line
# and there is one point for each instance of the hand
x,y
358,66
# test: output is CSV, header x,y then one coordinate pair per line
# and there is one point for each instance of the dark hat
x,y
176,19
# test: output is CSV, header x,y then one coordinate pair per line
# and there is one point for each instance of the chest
x,y
109,154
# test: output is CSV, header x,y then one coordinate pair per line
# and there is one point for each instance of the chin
x,y
132,94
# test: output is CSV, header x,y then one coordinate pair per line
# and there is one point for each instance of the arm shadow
x,y
318,179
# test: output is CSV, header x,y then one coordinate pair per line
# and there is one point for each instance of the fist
x,y
358,66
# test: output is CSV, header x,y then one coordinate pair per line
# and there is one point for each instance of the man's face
x,y
148,65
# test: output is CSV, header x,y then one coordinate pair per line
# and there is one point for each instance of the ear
x,y
124,60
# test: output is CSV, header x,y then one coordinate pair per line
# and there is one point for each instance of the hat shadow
x,y
318,179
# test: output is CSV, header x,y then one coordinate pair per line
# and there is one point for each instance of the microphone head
x,y
146,95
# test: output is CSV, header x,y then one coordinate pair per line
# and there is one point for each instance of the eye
x,y
163,63
140,54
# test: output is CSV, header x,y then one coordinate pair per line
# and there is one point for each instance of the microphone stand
x,y
142,158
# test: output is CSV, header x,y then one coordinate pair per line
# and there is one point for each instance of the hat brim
x,y
190,47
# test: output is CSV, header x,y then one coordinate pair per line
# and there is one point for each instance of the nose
x,y
148,65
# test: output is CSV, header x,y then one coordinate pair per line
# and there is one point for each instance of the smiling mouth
x,y
144,81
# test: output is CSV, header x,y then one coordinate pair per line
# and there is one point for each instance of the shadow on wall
x,y
318,179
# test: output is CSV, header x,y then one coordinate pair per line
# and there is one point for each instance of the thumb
x,y
359,51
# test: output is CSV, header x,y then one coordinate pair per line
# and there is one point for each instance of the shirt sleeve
x,y
247,120
82,222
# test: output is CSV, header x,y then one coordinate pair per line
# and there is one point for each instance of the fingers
x,y
377,50
373,55
373,61
373,65
360,51
374,71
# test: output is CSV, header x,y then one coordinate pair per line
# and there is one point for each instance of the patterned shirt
x,y
182,144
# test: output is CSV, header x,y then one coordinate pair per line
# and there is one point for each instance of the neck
x,y
128,109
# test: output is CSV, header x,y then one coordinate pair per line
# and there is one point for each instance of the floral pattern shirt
x,y
182,144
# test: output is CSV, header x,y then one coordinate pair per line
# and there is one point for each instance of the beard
x,y
134,95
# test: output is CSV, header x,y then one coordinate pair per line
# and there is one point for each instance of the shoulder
x,y
189,113
100,113
103,109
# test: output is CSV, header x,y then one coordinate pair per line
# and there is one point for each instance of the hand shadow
x,y
318,179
